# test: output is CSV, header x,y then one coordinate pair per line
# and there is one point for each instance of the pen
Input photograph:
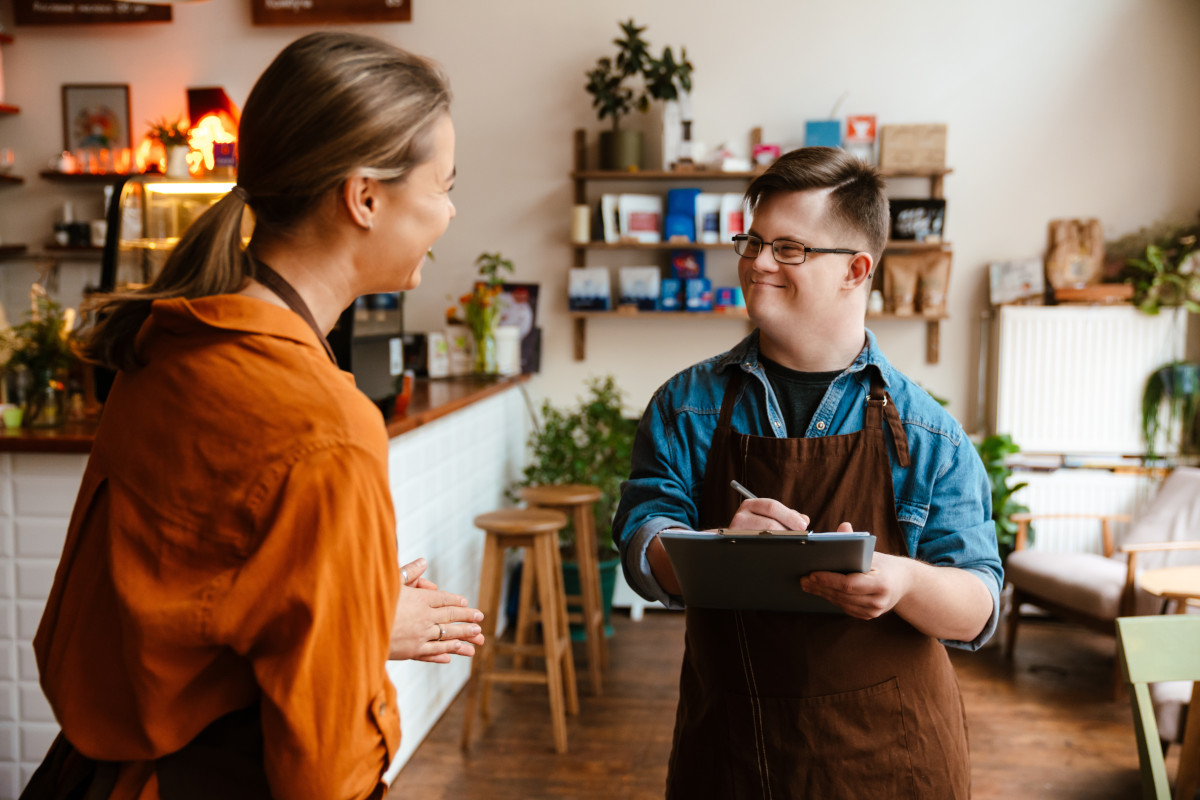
x,y
743,491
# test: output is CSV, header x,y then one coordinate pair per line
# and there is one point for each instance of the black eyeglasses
x,y
785,251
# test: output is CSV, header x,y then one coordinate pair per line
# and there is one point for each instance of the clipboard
x,y
761,570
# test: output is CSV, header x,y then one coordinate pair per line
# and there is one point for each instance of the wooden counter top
x,y
434,399
431,400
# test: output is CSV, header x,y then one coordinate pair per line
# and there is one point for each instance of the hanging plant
x,y
1169,404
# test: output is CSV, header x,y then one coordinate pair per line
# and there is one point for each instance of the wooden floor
x,y
1042,726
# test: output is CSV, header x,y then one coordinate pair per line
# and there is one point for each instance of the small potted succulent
x,y
661,78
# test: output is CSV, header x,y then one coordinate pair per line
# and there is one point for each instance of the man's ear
x,y
860,268
360,196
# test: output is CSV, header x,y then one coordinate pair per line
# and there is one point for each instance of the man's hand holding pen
x,y
764,514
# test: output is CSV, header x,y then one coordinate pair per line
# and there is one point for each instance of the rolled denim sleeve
x,y
658,495
959,531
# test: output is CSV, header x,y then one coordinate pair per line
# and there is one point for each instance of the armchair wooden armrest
x,y
1132,551
1106,521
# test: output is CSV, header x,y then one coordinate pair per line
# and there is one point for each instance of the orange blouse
x,y
233,541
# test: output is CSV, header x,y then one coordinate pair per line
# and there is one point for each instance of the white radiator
x,y
1069,379
1081,491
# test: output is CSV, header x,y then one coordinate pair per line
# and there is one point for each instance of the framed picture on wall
x,y
95,115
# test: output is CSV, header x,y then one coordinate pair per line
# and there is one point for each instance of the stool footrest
x,y
509,649
513,676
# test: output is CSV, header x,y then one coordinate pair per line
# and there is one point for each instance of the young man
x,y
808,414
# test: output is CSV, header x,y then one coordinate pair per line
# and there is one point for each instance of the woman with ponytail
x,y
229,589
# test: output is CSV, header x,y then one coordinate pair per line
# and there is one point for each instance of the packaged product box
x,y
640,287
698,294
904,148
669,295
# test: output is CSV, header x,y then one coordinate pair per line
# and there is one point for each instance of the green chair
x,y
1153,649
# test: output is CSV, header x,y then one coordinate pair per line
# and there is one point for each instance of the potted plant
x,y
1169,405
481,310
1162,264
589,443
173,136
994,451
37,354
661,79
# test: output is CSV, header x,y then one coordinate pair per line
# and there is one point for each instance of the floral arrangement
x,y
41,346
480,309
170,134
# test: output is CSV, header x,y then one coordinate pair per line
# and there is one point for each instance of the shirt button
x,y
820,426
776,424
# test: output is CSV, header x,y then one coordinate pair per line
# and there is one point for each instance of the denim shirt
x,y
943,497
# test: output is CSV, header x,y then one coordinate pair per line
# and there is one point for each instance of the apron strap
x,y
271,279
732,389
879,403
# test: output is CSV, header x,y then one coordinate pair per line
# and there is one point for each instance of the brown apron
x,y
786,705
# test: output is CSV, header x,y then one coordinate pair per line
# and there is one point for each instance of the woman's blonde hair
x,y
330,104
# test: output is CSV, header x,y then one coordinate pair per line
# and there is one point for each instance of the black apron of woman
x,y
787,705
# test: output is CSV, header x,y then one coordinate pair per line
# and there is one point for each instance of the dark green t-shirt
x,y
799,393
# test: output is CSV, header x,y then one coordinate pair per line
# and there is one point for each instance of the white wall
x,y
1056,108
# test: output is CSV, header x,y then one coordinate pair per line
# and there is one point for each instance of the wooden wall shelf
x,y
12,250
81,177
11,179
6,108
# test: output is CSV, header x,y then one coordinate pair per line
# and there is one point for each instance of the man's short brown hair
x,y
859,198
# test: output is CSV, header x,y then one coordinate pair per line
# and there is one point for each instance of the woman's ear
x,y
859,270
360,196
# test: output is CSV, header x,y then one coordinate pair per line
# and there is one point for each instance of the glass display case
x,y
150,213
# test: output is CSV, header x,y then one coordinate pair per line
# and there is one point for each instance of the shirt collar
x,y
745,354
231,312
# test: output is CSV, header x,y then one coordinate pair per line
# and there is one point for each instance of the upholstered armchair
x,y
1092,589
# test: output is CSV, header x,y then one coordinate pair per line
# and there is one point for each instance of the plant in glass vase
x,y
480,309
37,353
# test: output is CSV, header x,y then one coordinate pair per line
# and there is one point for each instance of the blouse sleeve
x,y
311,610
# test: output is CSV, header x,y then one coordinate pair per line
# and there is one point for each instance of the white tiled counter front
x,y
443,473
37,492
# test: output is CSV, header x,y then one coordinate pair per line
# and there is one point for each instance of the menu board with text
x,y
308,12
86,12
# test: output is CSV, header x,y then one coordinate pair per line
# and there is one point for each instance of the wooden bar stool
x,y
577,500
536,530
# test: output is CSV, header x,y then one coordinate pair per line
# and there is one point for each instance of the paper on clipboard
x,y
761,570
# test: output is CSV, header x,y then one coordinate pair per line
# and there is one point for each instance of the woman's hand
x,y
431,625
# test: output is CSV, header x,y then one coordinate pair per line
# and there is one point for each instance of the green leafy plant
x,y
590,443
994,451
1170,402
1162,264
662,78
41,346
170,134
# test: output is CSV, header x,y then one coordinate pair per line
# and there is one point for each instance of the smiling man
x,y
809,415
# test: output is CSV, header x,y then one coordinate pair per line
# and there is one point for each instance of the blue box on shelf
x,y
730,297
698,294
687,264
823,133
669,295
